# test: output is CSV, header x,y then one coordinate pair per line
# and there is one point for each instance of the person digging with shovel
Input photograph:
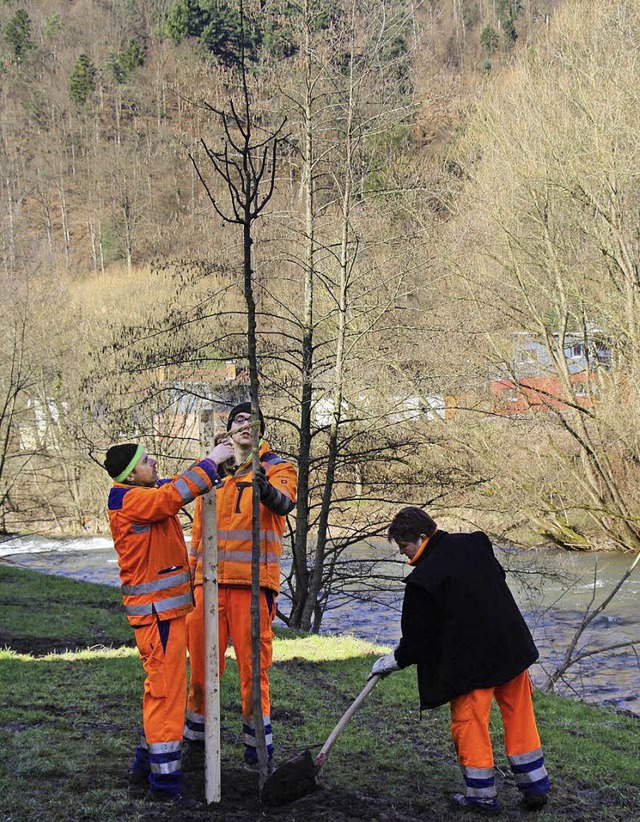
x,y
462,628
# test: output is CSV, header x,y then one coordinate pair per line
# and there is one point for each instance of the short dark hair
x,y
409,524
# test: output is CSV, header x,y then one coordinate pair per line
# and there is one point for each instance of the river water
x,y
553,590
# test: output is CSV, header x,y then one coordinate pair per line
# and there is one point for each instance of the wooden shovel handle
x,y
335,733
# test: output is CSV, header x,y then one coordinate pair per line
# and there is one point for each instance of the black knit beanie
x,y
119,458
243,408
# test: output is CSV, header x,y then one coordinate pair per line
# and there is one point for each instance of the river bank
x,y
553,589
69,723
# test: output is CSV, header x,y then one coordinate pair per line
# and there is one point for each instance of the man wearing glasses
x,y
277,482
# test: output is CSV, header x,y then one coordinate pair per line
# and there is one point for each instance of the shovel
x,y
297,777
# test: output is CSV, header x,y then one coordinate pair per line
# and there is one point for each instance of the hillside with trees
x,y
451,239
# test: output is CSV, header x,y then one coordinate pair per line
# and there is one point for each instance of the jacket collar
x,y
246,466
428,543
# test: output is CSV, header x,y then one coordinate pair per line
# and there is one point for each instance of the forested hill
x,y
101,101
446,274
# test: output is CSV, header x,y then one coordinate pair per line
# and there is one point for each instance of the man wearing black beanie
x,y
157,595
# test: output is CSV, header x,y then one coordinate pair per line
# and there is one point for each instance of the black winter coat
x,y
460,623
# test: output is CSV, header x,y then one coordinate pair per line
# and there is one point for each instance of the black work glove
x,y
273,499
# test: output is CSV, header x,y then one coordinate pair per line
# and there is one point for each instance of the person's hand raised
x,y
221,452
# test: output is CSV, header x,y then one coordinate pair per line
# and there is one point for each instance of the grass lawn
x,y
70,692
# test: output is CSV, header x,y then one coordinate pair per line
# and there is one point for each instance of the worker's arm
x,y
278,488
144,504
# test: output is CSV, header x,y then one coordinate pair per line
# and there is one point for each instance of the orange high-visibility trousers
x,y
194,723
470,731
162,648
234,622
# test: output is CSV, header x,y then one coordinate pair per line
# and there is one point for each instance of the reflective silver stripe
x,y
250,732
184,490
165,747
530,777
193,726
156,585
250,741
238,534
487,792
160,748
478,773
482,793
244,534
139,528
524,759
159,607
139,610
173,602
165,767
245,556
197,480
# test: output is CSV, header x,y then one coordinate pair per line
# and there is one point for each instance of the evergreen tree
x,y
120,65
217,25
508,11
510,33
113,67
17,33
489,41
83,80
52,25
132,57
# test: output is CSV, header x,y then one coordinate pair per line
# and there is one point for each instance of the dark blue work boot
x,y
534,800
486,807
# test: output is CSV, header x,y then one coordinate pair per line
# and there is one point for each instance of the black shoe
x,y
193,756
534,800
178,800
490,808
138,784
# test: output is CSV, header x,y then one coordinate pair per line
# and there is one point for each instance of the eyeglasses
x,y
241,419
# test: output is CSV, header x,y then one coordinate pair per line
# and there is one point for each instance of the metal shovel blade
x,y
297,777
291,780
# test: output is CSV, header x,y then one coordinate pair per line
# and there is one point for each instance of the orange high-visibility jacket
x,y
152,555
233,519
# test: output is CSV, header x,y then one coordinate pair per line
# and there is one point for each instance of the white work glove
x,y
384,666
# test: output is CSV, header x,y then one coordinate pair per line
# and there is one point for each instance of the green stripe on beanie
x,y
122,459
132,464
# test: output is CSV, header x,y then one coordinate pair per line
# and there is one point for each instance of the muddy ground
x,y
572,801
240,802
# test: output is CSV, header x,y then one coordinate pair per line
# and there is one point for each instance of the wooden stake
x,y
211,640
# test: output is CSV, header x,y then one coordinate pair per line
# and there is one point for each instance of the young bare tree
x,y
247,165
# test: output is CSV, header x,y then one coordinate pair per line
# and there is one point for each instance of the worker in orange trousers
x,y
462,628
157,595
277,481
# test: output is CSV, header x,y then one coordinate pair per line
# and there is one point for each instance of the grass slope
x,y
69,722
